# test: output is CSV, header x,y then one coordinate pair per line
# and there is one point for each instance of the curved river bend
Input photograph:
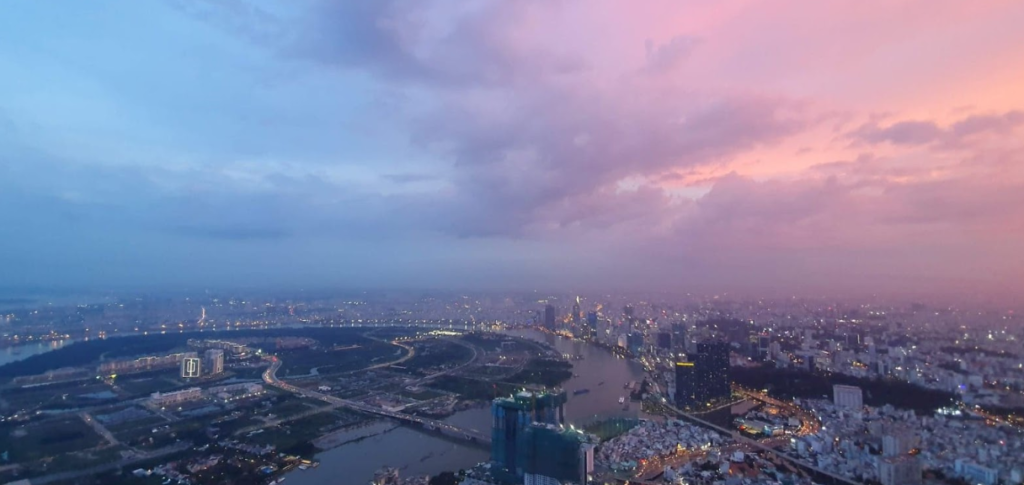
x,y
416,453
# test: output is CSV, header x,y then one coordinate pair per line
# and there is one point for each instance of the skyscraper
x,y
678,337
664,340
712,361
577,315
556,455
705,377
763,344
549,317
590,328
635,342
510,416
628,311
686,384
213,361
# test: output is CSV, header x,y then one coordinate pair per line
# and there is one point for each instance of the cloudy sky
x,y
806,147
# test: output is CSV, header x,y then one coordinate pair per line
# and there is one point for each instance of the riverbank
x,y
415,452
352,434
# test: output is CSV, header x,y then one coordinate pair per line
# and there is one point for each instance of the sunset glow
x,y
812,147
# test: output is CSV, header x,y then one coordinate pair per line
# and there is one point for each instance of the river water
x,y
418,453
24,351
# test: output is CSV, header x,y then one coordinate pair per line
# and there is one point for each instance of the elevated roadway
x,y
830,478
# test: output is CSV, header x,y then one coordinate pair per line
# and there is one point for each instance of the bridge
x,y
472,435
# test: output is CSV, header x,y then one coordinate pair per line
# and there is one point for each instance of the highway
x,y
809,423
99,428
739,438
270,377
274,422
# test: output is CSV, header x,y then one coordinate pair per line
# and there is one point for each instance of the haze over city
x,y
511,242
762,147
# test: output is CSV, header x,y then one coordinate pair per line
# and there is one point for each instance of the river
x,y
15,353
418,453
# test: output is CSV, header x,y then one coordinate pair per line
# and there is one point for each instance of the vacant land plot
x,y
47,439
435,355
293,433
59,396
329,361
545,372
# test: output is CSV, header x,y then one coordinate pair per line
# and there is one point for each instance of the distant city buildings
x,y
851,397
227,346
164,399
893,445
976,473
898,441
142,364
234,392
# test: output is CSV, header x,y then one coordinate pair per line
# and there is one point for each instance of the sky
x,y
805,148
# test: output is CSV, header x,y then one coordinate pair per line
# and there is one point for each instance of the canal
x,y
413,452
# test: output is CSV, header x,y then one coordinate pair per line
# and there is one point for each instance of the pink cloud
x,y
581,122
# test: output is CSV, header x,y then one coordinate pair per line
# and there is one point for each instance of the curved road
x,y
270,377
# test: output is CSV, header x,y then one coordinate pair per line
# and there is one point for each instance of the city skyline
x,y
512,242
849,148
644,387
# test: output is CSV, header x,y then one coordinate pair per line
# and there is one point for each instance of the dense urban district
x,y
254,390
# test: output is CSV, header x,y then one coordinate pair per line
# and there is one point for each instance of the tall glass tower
x,y
511,416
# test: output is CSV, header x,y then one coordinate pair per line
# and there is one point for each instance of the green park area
x,y
434,355
294,437
144,385
59,396
473,389
788,384
146,436
359,352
